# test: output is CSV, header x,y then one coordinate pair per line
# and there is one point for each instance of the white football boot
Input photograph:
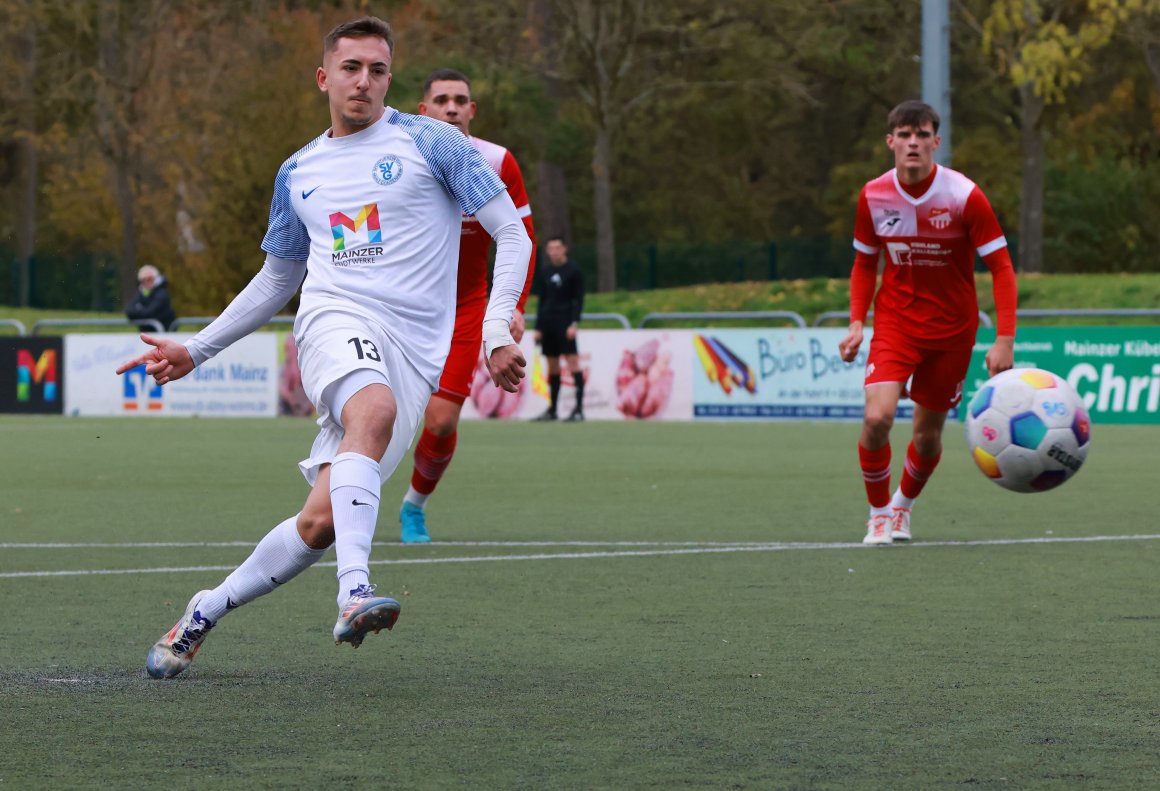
x,y
900,524
878,530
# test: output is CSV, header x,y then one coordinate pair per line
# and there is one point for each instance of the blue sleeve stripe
x,y
457,165
286,236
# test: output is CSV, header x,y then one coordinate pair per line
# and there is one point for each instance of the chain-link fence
x,y
80,282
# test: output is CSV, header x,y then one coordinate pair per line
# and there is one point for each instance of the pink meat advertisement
x,y
628,375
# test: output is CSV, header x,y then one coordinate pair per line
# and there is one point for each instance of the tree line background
x,y
671,142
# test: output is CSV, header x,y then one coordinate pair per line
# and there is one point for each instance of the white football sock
x,y
899,500
415,498
880,511
354,500
279,557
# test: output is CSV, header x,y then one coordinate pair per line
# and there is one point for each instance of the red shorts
x,y
459,370
936,376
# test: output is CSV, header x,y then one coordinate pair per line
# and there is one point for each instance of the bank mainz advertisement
x,y
242,381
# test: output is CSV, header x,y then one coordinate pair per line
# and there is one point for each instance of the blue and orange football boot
x,y
364,612
172,654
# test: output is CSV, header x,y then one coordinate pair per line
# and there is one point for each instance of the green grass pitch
x,y
607,606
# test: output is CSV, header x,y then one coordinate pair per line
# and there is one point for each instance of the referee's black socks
x,y
578,381
554,390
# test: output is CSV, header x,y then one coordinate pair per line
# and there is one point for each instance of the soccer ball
x,y
1028,430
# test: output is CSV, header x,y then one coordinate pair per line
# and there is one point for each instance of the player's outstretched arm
x,y
166,361
266,294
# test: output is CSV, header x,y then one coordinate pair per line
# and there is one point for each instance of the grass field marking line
x,y
772,547
133,545
213,544
585,543
110,572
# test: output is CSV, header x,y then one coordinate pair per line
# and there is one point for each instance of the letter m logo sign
x,y
31,375
356,231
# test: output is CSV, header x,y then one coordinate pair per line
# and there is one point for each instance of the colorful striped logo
x,y
722,366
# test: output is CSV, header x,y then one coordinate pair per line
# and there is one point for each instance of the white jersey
x,y
376,215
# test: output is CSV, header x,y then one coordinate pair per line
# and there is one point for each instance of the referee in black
x,y
557,317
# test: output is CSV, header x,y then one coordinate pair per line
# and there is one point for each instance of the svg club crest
x,y
388,170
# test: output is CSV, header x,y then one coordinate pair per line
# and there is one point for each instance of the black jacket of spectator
x,y
155,306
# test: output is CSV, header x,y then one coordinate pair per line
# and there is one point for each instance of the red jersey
x,y
928,284
475,241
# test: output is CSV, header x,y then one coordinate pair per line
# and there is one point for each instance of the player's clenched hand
x,y
506,366
1001,356
166,361
848,346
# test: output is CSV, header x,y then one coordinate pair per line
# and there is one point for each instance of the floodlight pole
x,y
936,69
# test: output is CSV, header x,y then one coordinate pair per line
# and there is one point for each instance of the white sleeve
x,y
513,249
276,282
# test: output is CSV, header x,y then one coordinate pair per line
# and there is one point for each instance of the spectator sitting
x,y
152,300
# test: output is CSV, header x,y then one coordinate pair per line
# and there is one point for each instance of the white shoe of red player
x,y
900,524
878,530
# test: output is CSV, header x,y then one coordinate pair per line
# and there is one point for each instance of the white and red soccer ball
x,y
1028,430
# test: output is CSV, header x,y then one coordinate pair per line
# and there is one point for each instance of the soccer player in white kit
x,y
369,214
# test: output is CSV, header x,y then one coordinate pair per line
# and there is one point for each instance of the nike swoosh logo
x,y
276,581
231,605
306,194
356,502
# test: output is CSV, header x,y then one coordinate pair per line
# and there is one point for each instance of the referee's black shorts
x,y
554,341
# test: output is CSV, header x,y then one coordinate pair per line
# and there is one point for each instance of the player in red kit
x,y
930,221
447,97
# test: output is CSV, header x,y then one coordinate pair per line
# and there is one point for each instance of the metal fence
x,y
744,316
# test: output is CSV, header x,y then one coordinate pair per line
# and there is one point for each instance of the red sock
x,y
876,474
917,471
432,455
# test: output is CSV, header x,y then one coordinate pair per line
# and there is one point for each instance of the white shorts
x,y
337,347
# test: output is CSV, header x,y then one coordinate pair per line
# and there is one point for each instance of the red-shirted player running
x,y
447,97
930,221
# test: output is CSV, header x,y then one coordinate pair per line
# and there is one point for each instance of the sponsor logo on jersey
x,y
899,253
362,229
388,170
918,254
940,218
